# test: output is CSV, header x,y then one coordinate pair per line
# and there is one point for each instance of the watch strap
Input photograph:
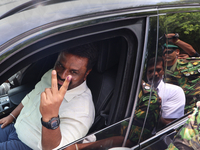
x,y
53,123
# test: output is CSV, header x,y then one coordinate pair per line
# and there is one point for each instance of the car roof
x,y
45,13
88,5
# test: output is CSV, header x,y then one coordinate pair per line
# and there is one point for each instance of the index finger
x,y
54,82
65,85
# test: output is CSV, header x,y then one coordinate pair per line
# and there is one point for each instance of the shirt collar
x,y
70,94
173,67
160,85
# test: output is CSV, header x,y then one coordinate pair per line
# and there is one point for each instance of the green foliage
x,y
186,24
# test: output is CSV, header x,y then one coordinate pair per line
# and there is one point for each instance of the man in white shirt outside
x,y
60,108
172,96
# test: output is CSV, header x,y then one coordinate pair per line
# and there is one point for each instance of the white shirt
x,y
76,114
173,100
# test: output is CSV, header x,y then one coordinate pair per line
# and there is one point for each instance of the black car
x,y
126,34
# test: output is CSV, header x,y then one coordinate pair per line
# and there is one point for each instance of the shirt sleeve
x,y
173,107
60,145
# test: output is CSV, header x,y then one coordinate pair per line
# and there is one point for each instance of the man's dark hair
x,y
87,51
151,62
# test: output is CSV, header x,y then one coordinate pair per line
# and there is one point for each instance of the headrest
x,y
109,52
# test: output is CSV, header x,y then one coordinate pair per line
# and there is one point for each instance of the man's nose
x,y
64,74
156,73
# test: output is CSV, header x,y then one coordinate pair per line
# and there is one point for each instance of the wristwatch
x,y
51,124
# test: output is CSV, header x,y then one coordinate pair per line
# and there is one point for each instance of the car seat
x,y
102,78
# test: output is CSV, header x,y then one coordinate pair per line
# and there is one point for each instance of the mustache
x,y
58,77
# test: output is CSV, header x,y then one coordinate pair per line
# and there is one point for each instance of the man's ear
x,y
177,52
86,74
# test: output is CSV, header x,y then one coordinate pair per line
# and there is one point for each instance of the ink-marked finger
x,y
65,85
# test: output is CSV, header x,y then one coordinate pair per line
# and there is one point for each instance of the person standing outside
x,y
172,96
182,72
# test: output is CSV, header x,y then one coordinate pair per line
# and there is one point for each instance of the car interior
x,y
102,79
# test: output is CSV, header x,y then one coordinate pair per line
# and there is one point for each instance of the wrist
x,y
176,41
53,123
46,119
47,116
12,116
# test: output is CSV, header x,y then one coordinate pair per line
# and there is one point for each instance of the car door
x,y
183,25
122,35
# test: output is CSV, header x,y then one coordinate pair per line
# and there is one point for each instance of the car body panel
x,y
49,13
8,5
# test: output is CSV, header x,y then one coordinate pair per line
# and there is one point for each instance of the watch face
x,y
54,124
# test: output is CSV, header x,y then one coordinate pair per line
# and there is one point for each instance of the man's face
x,y
69,64
170,56
159,72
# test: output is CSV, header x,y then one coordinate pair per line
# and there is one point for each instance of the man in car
x,y
183,72
60,108
172,96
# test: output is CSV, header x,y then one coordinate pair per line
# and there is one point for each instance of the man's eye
x,y
59,65
73,72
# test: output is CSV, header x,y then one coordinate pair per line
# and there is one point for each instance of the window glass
x,y
178,83
180,49
148,106
177,65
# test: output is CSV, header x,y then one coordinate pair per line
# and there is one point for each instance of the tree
x,y
186,24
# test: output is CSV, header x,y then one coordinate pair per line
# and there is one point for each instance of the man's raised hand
x,y
52,98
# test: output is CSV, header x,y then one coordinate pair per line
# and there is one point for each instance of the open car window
x,y
110,80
